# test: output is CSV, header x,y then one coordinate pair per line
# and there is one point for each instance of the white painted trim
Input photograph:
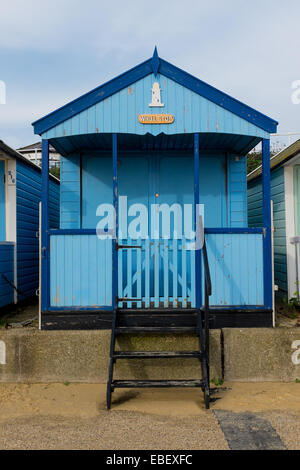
x,y
290,229
273,270
11,212
11,200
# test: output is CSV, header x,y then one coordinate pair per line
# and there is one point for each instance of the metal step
x,y
156,329
155,354
157,383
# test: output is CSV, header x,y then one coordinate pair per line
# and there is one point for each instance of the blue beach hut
x,y
20,195
154,136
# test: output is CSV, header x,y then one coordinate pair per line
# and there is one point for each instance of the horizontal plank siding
x,y
28,196
80,271
255,204
6,271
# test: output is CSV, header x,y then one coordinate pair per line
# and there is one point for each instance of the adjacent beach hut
x,y
20,194
285,193
156,135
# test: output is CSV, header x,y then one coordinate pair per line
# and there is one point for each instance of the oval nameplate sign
x,y
156,118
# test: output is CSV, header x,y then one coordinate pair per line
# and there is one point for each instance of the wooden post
x,y
198,283
116,223
45,281
266,188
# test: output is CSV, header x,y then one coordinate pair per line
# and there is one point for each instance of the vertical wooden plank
x,y
192,264
53,271
266,186
129,273
116,225
184,272
101,270
147,273
175,272
45,294
92,271
84,267
76,286
139,273
68,272
120,274
107,248
196,215
156,272
166,273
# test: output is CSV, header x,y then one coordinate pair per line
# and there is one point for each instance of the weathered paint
x,y
160,273
236,264
80,271
255,220
155,65
119,113
7,251
2,200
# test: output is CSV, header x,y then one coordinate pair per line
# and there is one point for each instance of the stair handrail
x,y
207,292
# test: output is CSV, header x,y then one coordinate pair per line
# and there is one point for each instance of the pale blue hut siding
x,y
28,193
236,268
7,269
80,271
234,208
70,192
237,191
255,220
119,113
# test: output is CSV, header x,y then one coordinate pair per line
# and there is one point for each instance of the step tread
x,y
155,354
155,329
157,383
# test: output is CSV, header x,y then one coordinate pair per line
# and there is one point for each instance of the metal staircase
x,y
201,330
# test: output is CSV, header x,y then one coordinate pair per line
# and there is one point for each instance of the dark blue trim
x,y
198,280
92,231
78,309
234,230
266,189
45,280
217,308
116,225
78,231
155,62
142,70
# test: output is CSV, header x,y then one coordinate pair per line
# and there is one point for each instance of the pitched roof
x,y
35,146
4,148
154,65
279,159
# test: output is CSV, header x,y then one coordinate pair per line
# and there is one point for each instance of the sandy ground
x,y
63,416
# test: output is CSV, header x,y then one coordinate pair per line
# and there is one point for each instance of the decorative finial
x,y
155,61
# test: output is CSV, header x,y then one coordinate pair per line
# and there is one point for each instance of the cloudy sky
x,y
53,51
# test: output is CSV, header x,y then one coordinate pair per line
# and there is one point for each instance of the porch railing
x,y
159,274
155,273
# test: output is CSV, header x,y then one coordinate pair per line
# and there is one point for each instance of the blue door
x,y
2,201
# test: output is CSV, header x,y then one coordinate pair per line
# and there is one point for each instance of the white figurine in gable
x,y
156,99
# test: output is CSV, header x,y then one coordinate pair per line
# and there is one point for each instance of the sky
x,y
54,51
